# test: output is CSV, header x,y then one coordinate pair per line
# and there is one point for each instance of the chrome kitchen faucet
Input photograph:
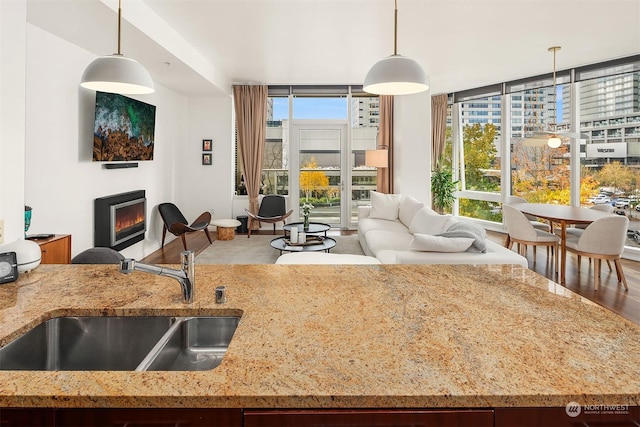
x,y
186,276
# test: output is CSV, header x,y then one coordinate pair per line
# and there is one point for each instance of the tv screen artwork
x,y
123,128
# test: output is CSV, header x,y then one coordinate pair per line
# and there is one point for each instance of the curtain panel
x,y
438,128
385,140
251,119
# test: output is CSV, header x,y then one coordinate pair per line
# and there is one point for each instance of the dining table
x,y
563,215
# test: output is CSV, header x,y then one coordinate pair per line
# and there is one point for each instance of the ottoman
x,y
226,228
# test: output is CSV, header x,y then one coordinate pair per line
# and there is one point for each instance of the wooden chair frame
x,y
181,229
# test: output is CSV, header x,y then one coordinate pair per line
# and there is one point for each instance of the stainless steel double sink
x,y
121,343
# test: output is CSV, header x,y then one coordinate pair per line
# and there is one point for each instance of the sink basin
x,y
198,344
121,343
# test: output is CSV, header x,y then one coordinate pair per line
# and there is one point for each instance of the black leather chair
x,y
177,224
273,209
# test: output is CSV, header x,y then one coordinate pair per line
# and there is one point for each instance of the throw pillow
x,y
429,243
384,206
426,221
409,206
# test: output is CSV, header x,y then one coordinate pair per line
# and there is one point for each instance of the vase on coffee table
x,y
306,222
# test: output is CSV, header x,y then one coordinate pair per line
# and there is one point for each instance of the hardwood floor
x,y
580,280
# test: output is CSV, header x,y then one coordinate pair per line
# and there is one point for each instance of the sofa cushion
x,y
367,224
426,221
378,240
468,229
407,209
495,254
384,206
429,243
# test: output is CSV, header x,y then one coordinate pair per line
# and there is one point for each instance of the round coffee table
x,y
280,243
314,228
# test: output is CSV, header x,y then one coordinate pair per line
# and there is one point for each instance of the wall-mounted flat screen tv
x,y
123,129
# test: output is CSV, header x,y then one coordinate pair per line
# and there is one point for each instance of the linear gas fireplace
x,y
120,220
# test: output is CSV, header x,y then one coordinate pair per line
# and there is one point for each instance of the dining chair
x,y
602,239
509,200
520,230
578,229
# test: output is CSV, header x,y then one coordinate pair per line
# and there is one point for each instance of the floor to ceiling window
x,y
316,139
598,104
610,116
540,173
478,133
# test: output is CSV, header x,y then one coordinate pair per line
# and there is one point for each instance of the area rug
x,y
256,250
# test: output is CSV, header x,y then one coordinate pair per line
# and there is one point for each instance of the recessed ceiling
x,y
460,43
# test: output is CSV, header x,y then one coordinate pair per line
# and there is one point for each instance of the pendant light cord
x,y
554,49
395,28
119,24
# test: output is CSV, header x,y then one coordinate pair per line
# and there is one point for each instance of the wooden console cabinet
x,y
56,249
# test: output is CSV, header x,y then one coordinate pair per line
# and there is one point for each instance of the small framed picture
x,y
206,144
206,159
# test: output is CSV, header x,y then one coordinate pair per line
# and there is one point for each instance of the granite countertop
x,y
342,336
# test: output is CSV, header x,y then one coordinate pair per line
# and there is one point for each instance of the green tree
x,y
479,156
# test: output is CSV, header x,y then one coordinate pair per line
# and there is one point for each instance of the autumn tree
x,y
541,175
312,180
616,175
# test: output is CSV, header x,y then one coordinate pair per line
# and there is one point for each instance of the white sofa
x,y
400,230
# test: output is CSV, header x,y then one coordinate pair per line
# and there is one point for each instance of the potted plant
x,y
443,189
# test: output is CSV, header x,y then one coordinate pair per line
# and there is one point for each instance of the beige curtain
x,y
251,120
438,128
385,140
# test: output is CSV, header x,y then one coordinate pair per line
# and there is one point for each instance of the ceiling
x,y
201,47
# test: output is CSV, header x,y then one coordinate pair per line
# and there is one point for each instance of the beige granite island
x,y
473,339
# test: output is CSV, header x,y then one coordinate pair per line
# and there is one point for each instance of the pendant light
x,y
552,138
554,141
396,74
116,73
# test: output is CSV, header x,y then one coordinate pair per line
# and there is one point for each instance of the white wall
x,y
62,181
206,188
412,145
12,117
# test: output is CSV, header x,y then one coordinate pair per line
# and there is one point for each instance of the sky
x,y
310,108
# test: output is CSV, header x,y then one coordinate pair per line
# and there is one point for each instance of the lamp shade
x,y
117,74
377,158
554,142
396,75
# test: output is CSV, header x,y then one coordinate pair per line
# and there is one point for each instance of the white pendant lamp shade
x,y
396,75
117,74
554,142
